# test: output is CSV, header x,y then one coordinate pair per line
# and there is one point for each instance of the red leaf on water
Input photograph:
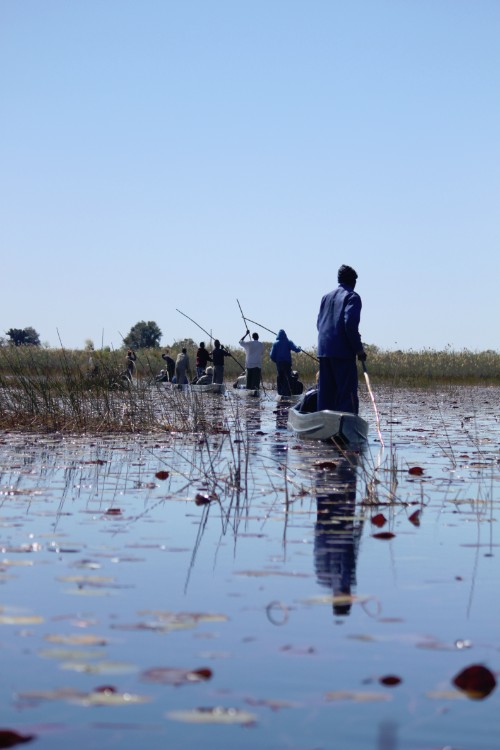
x,y
390,680
8,738
384,535
162,475
113,512
379,520
476,681
175,676
105,689
415,518
416,470
202,499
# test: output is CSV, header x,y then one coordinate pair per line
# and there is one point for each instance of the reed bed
x,y
55,390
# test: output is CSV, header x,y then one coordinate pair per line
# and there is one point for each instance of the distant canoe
x,y
339,426
200,388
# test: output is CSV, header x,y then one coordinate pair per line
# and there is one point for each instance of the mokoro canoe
x,y
339,426
201,388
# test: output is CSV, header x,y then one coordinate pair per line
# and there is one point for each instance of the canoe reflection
x,y
337,532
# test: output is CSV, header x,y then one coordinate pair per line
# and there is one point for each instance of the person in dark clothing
x,y
130,359
281,355
170,363
202,359
218,356
296,386
339,343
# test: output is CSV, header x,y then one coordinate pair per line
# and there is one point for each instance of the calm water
x,y
119,582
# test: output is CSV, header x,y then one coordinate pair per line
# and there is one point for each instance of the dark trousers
x,y
218,373
283,378
338,384
253,378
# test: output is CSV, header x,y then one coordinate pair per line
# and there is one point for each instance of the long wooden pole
x,y
208,334
377,418
275,334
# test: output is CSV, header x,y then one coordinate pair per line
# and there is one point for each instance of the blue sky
x,y
162,155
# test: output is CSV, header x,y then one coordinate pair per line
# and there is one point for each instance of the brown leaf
x,y
202,499
415,518
162,475
175,676
384,535
390,680
416,471
476,681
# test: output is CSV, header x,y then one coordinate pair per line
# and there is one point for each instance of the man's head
x,y
347,275
255,336
217,343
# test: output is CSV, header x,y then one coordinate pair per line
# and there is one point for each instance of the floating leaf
x,y
446,695
109,697
384,535
415,471
174,676
378,520
9,738
77,640
66,654
202,499
20,620
216,715
113,512
390,680
358,696
162,475
476,681
101,667
274,705
415,518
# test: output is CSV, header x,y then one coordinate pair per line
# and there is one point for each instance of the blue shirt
x,y
280,350
338,321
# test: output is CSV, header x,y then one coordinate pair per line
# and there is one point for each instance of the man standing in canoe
x,y
339,343
281,355
254,351
218,356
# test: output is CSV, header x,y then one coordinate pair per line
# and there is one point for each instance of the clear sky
x,y
164,154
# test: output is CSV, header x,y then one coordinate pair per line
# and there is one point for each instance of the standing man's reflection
x,y
337,532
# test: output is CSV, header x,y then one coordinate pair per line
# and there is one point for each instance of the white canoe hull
x,y
324,425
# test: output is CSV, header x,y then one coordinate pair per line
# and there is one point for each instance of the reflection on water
x,y
207,550
338,532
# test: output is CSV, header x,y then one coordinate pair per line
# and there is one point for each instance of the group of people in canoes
x,y
179,370
339,346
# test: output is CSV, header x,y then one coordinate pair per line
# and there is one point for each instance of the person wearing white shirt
x,y
254,351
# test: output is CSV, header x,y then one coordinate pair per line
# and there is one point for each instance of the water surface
x,y
329,600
